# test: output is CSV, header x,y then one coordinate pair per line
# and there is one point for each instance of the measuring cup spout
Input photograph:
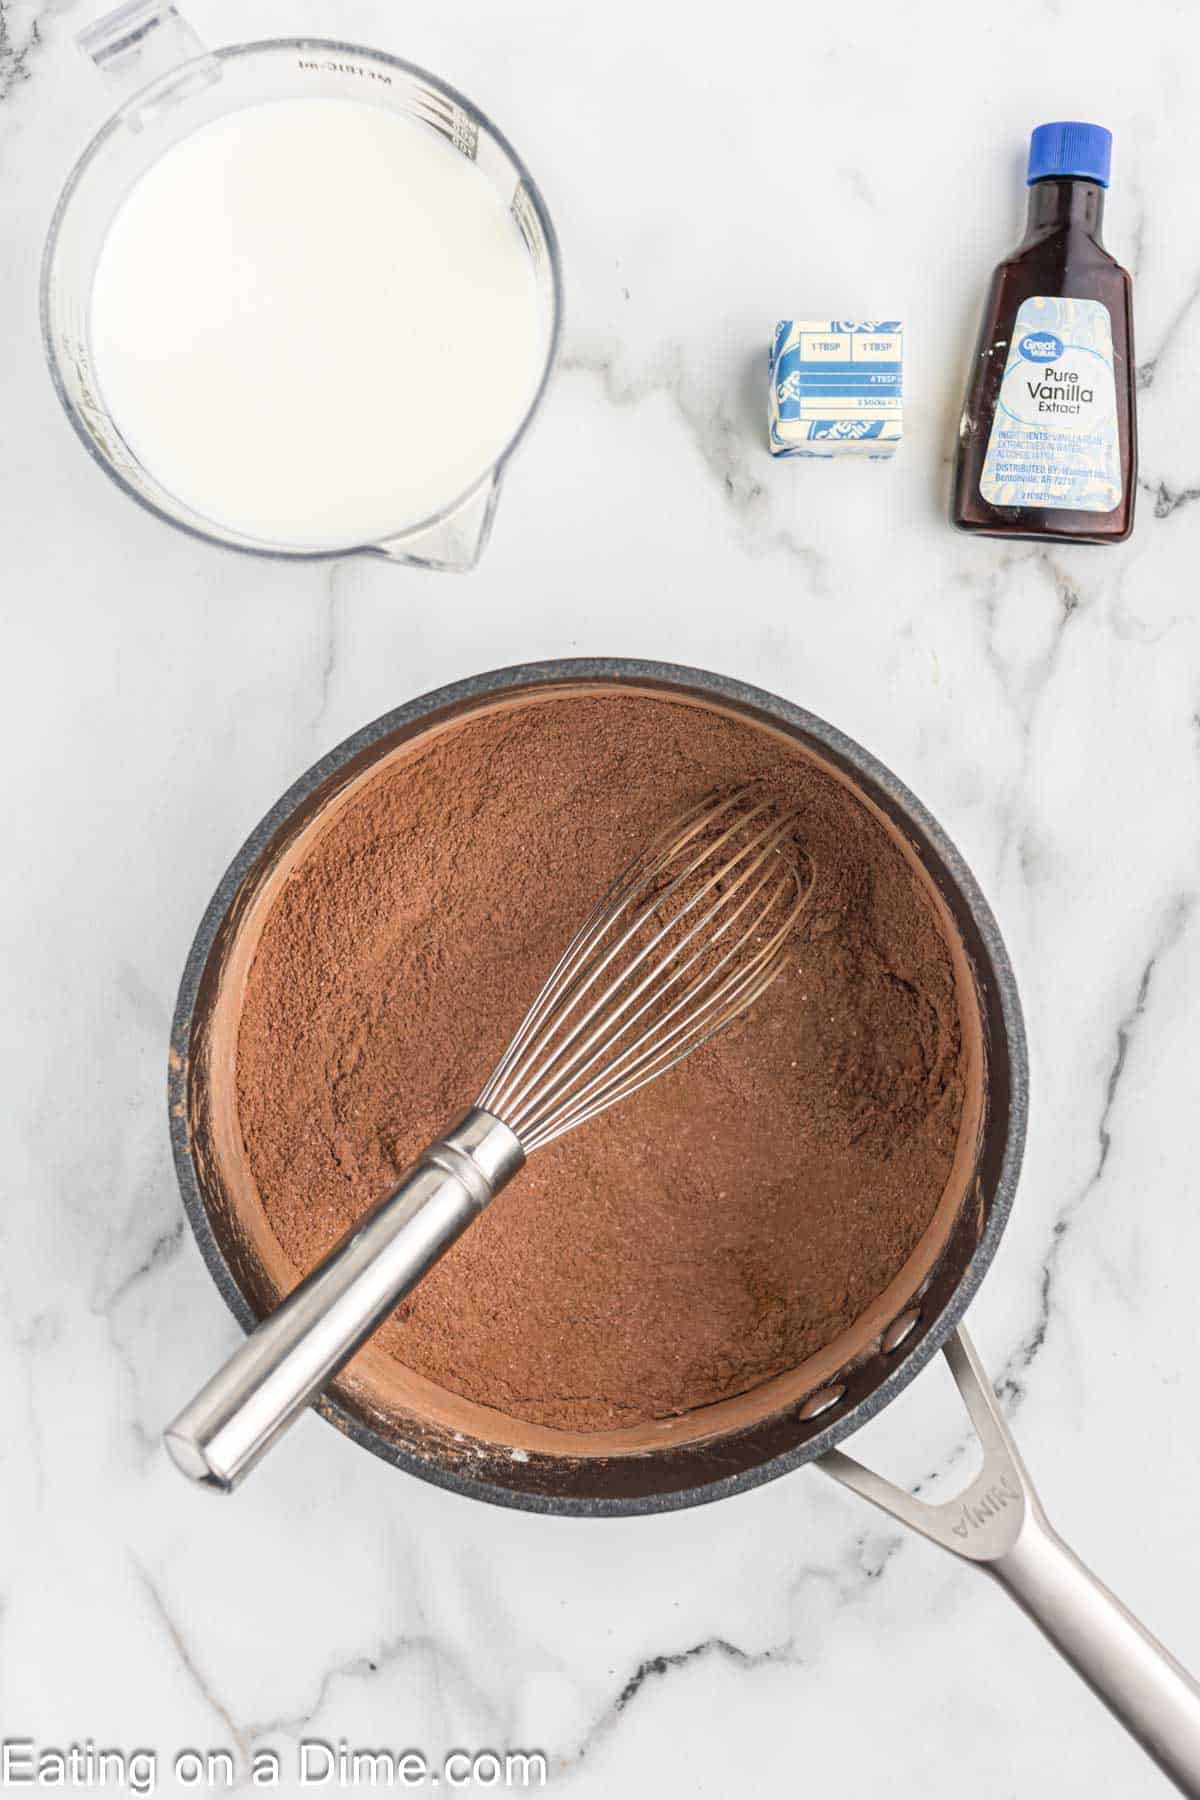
x,y
454,542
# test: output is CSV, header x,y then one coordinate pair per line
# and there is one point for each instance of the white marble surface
x,y
710,167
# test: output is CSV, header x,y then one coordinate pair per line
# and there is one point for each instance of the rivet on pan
x,y
900,1329
821,1402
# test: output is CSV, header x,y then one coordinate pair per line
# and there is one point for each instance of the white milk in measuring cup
x,y
319,318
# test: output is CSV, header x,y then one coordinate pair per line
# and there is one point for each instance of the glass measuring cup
x,y
171,85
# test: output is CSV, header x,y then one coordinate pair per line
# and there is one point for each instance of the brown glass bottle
x,y
1061,255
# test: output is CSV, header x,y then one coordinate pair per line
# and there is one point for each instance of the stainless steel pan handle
x,y
998,1524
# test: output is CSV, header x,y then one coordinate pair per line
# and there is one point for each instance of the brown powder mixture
x,y
715,1230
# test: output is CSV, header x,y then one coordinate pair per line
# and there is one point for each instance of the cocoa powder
x,y
715,1230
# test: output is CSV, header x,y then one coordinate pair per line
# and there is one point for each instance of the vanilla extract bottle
x,y
1047,444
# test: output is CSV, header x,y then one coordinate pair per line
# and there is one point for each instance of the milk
x,y
315,322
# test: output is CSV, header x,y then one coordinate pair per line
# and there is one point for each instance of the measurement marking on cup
x,y
344,68
978,1513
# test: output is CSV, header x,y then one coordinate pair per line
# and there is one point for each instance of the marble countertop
x,y
709,168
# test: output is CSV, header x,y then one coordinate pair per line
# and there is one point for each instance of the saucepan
x,y
996,1524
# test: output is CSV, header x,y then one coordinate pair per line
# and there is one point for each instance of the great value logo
x,y
1040,347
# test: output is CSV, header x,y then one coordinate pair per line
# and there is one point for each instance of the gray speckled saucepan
x,y
997,1522
677,1474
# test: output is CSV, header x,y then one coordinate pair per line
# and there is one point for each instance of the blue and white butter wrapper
x,y
837,387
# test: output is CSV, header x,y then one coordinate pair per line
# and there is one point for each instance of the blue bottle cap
x,y
1068,148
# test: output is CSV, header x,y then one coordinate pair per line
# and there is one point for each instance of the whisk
x,y
687,939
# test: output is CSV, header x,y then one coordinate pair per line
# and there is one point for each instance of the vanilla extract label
x,y
1054,436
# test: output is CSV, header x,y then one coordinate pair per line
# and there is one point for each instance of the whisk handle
x,y
289,1358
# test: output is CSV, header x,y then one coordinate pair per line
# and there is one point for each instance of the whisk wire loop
x,y
612,1029
575,974
739,992
678,833
572,989
689,937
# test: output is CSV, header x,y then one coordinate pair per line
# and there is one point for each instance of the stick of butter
x,y
836,387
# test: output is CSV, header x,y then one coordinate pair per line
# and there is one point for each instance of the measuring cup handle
x,y
140,49
997,1522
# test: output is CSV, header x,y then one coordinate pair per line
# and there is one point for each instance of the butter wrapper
x,y
836,387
